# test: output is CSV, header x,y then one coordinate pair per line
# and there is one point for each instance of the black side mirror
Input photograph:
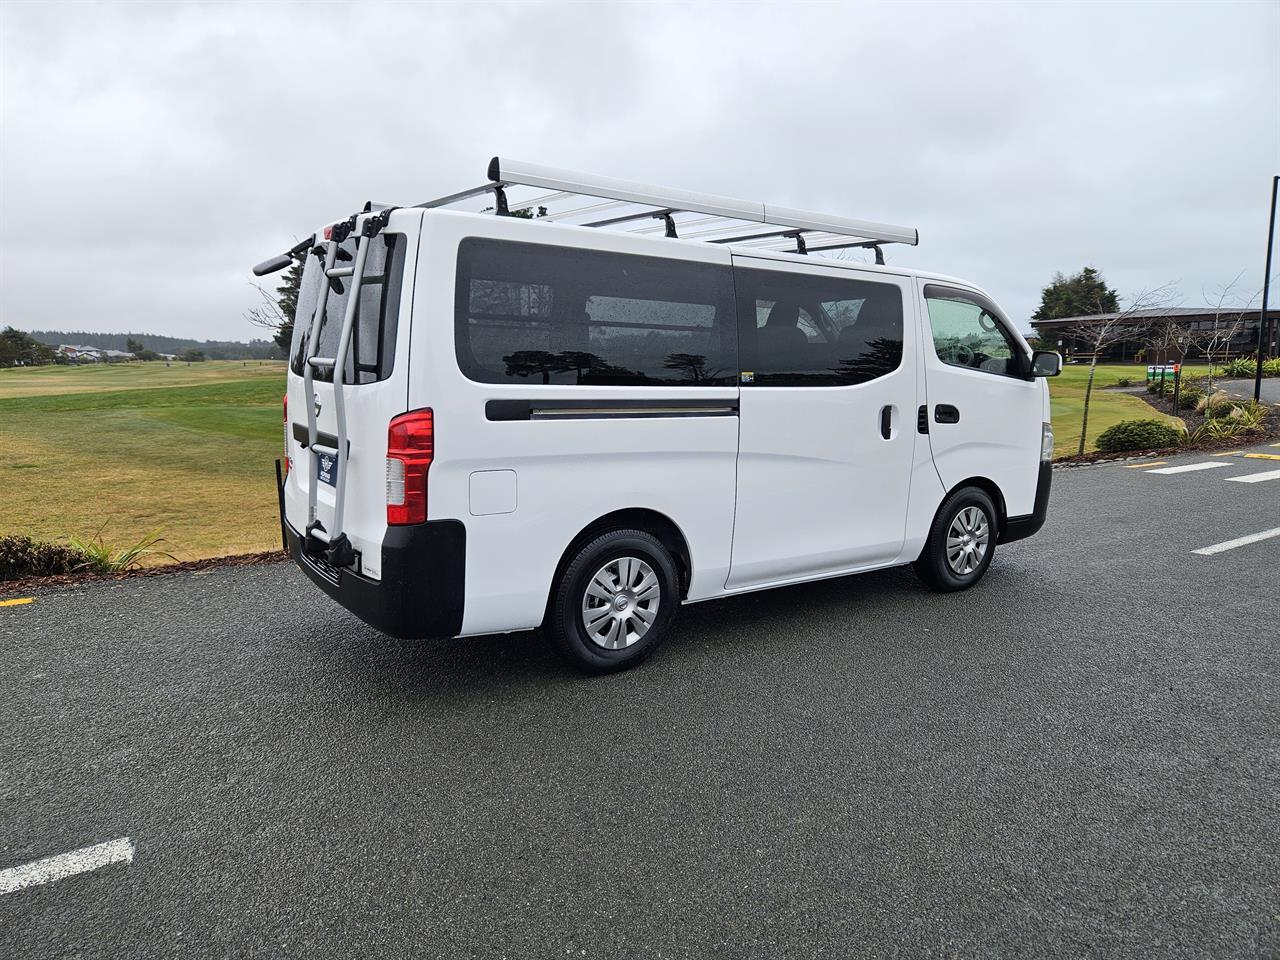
x,y
1046,363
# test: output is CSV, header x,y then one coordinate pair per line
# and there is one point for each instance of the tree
x,y
139,351
1099,329
20,349
191,355
1213,339
1078,295
277,312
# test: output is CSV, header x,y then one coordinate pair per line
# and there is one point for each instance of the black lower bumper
x,y
420,595
1019,528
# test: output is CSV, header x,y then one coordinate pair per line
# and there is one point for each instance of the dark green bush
x,y
24,557
1124,382
1189,397
1139,435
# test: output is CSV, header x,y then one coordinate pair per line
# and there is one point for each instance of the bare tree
x,y
1104,330
1213,339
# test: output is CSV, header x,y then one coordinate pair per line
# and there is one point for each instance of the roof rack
x,y
562,196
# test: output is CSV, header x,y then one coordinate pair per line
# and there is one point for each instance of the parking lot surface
x,y
1079,757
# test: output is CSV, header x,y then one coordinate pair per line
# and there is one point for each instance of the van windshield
x,y
373,337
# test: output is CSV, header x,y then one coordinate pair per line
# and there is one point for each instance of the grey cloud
x,y
151,153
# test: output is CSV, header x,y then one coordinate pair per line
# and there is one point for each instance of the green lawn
x,y
139,448
187,451
1106,407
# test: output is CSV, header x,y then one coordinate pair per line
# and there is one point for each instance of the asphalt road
x,y
1081,757
1269,392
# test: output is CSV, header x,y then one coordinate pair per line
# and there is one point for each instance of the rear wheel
x,y
961,541
615,601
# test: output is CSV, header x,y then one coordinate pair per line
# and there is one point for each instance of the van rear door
x,y
375,385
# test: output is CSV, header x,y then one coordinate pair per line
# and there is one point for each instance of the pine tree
x,y
287,300
1079,295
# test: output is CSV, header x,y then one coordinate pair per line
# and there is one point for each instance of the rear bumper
x,y
420,595
1019,528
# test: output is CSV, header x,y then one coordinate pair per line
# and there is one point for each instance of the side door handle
x,y
886,422
946,413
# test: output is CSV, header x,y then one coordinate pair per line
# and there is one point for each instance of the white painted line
x,y
1237,542
1256,477
1192,467
67,864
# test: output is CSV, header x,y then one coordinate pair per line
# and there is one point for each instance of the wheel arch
x,y
651,521
987,486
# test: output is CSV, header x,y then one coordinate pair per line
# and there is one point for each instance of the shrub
x,y
1216,405
1252,416
1189,397
1271,368
1124,382
1225,429
25,557
1239,367
1139,435
104,559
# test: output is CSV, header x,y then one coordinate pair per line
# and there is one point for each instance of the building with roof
x,y
1197,324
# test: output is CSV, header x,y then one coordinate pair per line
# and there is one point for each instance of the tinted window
x,y
543,314
967,332
818,331
373,337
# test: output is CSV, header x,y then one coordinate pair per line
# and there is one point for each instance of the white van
x,y
580,410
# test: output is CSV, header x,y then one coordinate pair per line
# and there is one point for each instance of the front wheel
x,y
615,601
961,541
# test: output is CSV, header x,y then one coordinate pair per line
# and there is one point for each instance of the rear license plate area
x,y
327,469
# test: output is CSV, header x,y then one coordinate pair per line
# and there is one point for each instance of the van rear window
x,y
372,352
538,313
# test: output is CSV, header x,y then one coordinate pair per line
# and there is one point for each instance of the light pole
x,y
1264,325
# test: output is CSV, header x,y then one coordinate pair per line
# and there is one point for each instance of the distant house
x,y
112,356
80,354
1056,333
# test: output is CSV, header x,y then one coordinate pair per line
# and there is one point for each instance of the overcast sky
x,y
151,153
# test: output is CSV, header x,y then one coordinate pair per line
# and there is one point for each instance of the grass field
x,y
185,451
1106,407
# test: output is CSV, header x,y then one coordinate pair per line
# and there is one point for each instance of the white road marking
x,y
1237,542
1256,477
66,865
1192,467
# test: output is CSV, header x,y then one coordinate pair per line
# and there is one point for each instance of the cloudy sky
x,y
151,153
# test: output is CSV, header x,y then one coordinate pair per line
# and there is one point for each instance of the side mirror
x,y
1046,363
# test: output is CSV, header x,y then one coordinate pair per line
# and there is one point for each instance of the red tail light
x,y
410,446
287,463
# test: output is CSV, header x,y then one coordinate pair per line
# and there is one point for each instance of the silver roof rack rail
x,y
591,201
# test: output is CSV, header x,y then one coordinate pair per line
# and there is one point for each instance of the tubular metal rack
x,y
562,196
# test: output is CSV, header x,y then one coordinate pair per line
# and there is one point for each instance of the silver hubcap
x,y
621,603
967,541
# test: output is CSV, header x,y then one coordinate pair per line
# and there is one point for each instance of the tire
x,y
595,630
956,517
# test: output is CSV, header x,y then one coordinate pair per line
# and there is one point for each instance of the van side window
x,y
372,351
810,331
968,331
538,313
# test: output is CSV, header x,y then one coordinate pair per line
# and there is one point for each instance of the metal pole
x,y
1264,325
284,537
